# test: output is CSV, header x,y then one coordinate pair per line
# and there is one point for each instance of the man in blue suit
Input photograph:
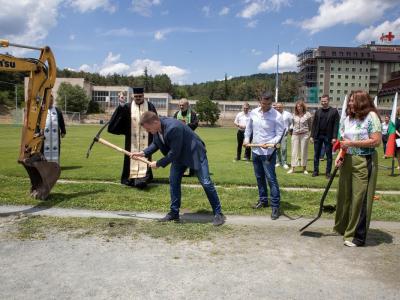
x,y
182,148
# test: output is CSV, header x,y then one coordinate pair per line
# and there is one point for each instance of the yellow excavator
x,y
42,76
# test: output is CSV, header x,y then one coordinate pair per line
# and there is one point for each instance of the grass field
x,y
104,165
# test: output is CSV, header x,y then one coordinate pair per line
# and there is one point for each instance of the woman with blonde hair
x,y
302,122
361,133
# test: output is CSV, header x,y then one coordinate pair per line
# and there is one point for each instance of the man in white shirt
x,y
240,122
266,125
287,121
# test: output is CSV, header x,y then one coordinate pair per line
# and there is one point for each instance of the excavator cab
x,y
42,76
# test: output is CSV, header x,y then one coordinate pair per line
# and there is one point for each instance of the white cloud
x,y
156,67
374,33
334,12
287,62
120,32
88,5
256,52
255,7
159,35
162,33
22,22
252,24
72,37
144,7
112,64
224,11
206,11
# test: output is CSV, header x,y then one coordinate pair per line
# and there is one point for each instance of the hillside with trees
x,y
242,88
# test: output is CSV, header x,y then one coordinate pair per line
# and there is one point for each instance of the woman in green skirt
x,y
361,134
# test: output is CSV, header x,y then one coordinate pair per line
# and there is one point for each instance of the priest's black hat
x,y
138,90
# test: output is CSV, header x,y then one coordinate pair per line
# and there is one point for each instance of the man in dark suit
x,y
182,148
324,132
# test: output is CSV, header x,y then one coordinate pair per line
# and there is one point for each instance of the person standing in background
x,y
287,121
53,132
385,127
302,122
240,122
324,131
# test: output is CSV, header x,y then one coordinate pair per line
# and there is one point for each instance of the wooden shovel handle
x,y
108,144
263,145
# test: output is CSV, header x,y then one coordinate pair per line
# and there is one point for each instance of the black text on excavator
x,y
42,75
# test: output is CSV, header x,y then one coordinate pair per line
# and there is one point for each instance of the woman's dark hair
x,y
303,105
362,106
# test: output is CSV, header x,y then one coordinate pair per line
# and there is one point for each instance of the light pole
x,y
16,97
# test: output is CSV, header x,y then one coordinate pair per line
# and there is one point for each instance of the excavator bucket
x,y
43,176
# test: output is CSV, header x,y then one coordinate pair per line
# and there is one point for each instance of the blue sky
x,y
191,41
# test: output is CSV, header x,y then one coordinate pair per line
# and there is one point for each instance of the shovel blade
x,y
43,176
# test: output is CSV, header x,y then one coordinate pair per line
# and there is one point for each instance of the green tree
x,y
76,97
207,110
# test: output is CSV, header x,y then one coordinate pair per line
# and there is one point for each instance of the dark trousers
x,y
384,142
318,142
247,151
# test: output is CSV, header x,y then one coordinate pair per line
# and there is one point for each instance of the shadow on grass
x,y
65,168
200,216
52,200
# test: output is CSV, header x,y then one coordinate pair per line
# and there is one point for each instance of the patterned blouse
x,y
357,130
302,124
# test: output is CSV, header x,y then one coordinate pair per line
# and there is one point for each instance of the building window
x,y
347,69
333,53
366,70
347,62
360,62
359,84
352,84
331,91
339,69
321,75
366,85
323,53
339,84
339,61
366,77
321,68
348,53
360,70
321,61
331,83
332,76
338,91
332,69
337,98
346,76
353,77
339,76
341,53
346,84
321,83
320,91
353,69
366,62
359,77
159,103
345,92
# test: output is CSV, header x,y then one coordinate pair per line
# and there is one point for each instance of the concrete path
x,y
260,259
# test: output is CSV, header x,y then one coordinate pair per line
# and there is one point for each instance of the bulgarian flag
x,y
336,146
391,143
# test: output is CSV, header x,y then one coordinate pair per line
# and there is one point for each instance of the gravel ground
x,y
272,262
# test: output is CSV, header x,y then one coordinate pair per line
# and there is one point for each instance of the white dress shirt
x,y
287,119
241,119
266,127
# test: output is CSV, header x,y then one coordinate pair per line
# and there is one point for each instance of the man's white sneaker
x,y
305,172
277,165
290,171
349,244
285,166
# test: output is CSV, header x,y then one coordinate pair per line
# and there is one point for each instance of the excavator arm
x,y
42,76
